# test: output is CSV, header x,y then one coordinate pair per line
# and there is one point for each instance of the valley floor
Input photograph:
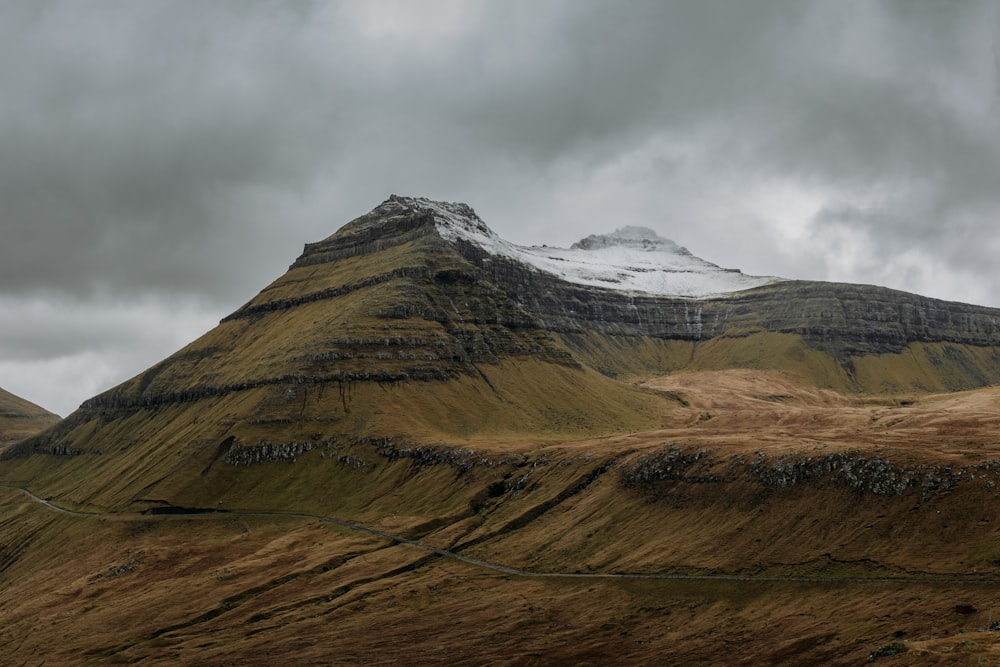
x,y
218,589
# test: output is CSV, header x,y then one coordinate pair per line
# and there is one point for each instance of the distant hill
x,y
20,418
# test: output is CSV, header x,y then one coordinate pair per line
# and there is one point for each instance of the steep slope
x,y
20,418
773,523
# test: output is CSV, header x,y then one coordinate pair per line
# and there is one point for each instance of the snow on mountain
x,y
631,259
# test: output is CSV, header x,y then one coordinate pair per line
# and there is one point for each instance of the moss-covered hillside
x,y
20,418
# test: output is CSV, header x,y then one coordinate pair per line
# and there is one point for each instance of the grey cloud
x,y
35,329
185,149
138,128
128,128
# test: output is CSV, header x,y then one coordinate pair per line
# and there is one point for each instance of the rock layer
x,y
844,320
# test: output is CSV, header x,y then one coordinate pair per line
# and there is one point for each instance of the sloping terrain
x,y
632,304
20,418
774,523
420,444
251,591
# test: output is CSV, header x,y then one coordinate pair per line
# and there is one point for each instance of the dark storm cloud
x,y
165,145
907,101
131,130
154,152
174,145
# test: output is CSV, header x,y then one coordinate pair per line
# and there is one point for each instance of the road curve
x,y
503,569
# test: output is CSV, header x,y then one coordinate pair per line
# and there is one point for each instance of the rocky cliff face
x,y
851,324
843,319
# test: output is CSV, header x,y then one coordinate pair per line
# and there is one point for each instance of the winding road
x,y
496,567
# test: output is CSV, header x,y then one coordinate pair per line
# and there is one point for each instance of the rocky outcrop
x,y
384,448
423,456
864,474
266,452
672,464
41,445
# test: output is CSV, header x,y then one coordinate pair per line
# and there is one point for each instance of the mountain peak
x,y
630,236
453,219
630,259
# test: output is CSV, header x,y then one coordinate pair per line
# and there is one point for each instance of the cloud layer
x,y
164,156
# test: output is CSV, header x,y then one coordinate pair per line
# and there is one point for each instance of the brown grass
x,y
20,418
252,590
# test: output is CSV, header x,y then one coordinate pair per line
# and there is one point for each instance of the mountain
x,y
423,440
680,312
382,333
20,418
415,333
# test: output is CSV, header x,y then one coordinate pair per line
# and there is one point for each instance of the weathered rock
x,y
851,469
266,452
842,319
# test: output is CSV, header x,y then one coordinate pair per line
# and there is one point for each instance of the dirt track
x,y
503,569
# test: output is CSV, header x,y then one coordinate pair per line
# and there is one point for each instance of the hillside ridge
x,y
20,418
869,338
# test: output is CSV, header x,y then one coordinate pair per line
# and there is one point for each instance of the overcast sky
x,y
162,161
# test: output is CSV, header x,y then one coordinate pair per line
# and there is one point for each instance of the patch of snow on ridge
x,y
631,259
630,236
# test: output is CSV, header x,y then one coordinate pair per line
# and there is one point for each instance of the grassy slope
x,y
172,453
571,494
20,418
921,367
259,591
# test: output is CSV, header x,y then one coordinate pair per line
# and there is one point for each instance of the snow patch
x,y
631,259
